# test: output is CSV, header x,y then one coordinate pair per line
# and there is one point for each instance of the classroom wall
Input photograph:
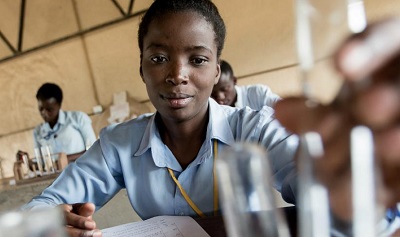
x,y
260,46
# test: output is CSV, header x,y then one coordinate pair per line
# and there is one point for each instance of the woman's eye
x,y
199,61
159,59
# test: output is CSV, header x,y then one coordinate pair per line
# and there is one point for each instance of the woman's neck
x,y
53,123
183,139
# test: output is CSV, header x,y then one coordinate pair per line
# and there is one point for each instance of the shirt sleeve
x,y
283,166
86,129
268,97
261,127
89,179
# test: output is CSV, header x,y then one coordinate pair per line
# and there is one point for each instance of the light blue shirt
x,y
255,96
132,155
391,223
72,132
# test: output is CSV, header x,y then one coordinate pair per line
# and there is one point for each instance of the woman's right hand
x,y
79,222
370,65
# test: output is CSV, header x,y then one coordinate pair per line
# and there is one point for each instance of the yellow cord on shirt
x,y
186,196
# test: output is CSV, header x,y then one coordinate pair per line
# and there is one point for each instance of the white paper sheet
x,y
166,226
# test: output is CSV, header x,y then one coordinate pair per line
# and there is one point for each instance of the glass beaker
x,y
248,201
38,223
47,159
39,160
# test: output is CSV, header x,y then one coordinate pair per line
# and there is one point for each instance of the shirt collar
x,y
60,121
148,136
217,128
61,117
219,123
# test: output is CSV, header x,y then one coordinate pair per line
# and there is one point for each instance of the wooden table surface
x,y
38,179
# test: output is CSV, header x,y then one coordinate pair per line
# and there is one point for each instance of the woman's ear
x,y
140,68
141,72
218,74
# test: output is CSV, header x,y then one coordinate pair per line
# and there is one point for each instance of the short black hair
x,y
203,7
226,68
50,90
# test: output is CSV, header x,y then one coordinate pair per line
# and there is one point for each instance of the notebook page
x,y
165,226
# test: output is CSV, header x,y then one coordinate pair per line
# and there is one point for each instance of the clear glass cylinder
x,y
321,26
39,160
47,159
45,222
248,201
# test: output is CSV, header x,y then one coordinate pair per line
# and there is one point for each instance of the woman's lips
x,y
178,101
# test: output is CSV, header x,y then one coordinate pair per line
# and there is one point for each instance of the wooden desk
x,y
215,227
38,179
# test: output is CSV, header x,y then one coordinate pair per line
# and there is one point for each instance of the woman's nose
x,y
178,74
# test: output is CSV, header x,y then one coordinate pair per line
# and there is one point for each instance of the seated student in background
x,y
63,131
180,43
226,92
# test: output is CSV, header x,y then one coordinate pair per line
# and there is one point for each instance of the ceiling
x,y
28,25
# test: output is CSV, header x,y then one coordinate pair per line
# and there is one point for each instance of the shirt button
x,y
181,213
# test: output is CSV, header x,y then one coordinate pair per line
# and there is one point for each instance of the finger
x,y
391,188
378,107
74,232
333,127
364,53
341,199
78,221
66,207
387,145
334,167
388,151
84,209
296,115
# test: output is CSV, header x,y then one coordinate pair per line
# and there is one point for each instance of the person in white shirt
x,y
70,132
226,92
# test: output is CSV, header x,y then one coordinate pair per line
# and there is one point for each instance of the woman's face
x,y
49,110
179,65
224,91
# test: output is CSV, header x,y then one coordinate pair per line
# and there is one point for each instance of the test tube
x,y
48,161
35,223
249,205
313,209
39,160
26,162
365,179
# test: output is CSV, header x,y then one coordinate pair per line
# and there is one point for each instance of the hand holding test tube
x,y
368,63
321,25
